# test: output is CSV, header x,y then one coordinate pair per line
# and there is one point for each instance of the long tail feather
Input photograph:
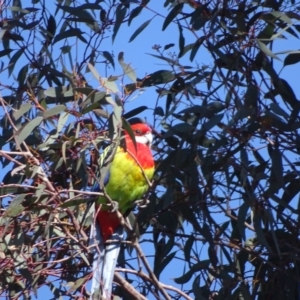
x,y
105,258
110,260
98,253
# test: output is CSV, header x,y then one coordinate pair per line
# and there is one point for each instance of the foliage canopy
x,y
224,204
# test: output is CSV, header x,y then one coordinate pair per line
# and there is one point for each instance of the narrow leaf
x,y
109,57
139,30
128,70
188,275
28,129
277,166
94,71
266,50
196,47
172,15
60,91
135,112
181,41
23,110
15,207
120,15
66,34
13,61
291,59
135,12
54,111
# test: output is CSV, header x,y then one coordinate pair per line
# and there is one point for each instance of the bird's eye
x,y
138,131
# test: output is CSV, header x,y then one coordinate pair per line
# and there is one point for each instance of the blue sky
x,y
136,56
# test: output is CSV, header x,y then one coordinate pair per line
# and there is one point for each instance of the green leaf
x,y
86,90
14,189
181,41
109,85
183,127
57,92
276,15
94,71
172,15
14,60
30,25
290,192
187,248
135,12
74,202
22,74
245,294
109,57
212,122
168,46
54,111
120,15
213,108
127,69
198,291
169,60
242,214
5,52
266,33
251,97
291,59
195,47
139,30
266,50
279,111
92,97
135,112
77,284
51,27
257,222
195,268
28,129
68,33
286,92
164,263
127,127
64,151
158,77
24,271
17,8
90,108
24,108
15,207
159,111
81,14
277,166
65,49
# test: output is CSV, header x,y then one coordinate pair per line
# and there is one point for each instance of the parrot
x,y
131,170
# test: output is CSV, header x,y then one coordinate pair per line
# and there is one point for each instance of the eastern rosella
x,y
128,180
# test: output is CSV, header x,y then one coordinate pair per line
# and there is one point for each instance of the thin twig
x,y
128,287
149,270
146,277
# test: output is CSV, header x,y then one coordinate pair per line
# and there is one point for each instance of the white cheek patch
x,y
145,139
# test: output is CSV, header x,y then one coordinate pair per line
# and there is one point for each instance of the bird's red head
x,y
142,131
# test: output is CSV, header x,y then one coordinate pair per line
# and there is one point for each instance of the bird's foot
x,y
114,206
142,203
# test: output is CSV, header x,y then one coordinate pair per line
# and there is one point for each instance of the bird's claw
x,y
142,203
114,206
